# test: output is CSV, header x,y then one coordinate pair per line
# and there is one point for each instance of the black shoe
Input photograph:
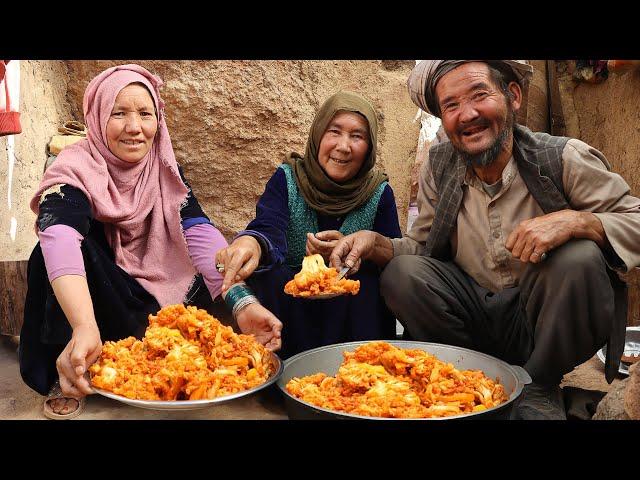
x,y
539,402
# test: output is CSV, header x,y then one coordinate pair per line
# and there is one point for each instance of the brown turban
x,y
426,74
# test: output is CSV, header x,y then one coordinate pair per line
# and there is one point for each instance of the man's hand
x,y
352,249
323,243
240,259
256,320
82,350
529,240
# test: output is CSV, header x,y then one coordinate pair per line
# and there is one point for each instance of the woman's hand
x,y
82,350
256,320
240,259
323,243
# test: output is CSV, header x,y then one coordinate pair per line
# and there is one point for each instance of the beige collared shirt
x,y
484,223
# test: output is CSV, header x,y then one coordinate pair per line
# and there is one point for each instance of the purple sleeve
x,y
269,226
203,241
60,246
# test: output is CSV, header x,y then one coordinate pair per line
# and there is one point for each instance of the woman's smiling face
x,y
132,124
344,146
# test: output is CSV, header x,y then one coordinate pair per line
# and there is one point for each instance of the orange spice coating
x,y
316,279
381,380
186,354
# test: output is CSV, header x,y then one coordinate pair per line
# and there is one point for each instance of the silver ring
x,y
543,257
220,267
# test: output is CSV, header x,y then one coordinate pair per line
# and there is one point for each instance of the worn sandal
x,y
55,393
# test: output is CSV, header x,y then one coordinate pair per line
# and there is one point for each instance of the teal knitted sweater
x,y
303,219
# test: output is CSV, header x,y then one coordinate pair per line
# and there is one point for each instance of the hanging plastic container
x,y
9,97
622,66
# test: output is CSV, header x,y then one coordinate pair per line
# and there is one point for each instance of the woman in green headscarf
x,y
309,203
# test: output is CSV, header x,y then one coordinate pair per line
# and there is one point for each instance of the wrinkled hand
x,y
323,243
82,350
531,238
352,249
256,320
240,259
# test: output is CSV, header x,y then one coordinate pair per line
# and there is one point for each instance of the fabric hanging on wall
x,y
590,71
9,97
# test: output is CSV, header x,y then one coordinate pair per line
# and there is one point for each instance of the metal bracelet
x,y
235,293
244,302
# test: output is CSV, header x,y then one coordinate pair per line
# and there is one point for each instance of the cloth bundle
x,y
71,131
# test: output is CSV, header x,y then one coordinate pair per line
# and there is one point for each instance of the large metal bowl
x,y
329,358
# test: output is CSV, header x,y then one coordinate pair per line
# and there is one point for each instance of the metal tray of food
x,y
195,404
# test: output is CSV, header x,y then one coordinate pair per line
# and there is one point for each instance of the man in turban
x,y
518,240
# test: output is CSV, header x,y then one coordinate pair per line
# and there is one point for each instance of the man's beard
x,y
490,155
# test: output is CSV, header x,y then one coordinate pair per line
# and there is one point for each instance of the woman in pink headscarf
x,y
121,235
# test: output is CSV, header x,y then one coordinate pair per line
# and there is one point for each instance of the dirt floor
x,y
19,402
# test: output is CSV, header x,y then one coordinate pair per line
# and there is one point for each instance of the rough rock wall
x,y
537,111
607,116
43,106
232,122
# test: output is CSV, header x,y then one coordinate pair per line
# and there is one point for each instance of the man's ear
x,y
516,92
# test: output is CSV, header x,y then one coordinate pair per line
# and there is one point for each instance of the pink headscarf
x,y
139,203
